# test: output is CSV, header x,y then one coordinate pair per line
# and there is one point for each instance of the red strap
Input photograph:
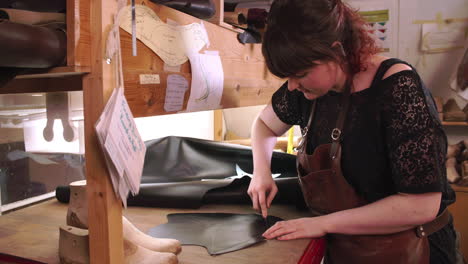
x,y
314,252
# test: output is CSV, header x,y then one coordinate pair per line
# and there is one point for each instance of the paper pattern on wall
x,y
207,82
443,37
170,42
379,27
175,92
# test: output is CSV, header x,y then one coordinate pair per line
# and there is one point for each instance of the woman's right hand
x,y
262,190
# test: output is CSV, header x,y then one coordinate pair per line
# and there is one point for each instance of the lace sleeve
x,y
288,105
416,144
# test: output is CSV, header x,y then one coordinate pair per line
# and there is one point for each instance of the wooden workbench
x,y
33,233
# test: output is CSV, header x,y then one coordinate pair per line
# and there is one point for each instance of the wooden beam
x,y
41,85
218,125
104,209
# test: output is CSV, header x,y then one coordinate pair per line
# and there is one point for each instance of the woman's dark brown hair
x,y
302,31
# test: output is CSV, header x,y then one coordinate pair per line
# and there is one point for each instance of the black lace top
x,y
392,138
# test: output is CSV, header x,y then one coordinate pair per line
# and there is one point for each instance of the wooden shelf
x,y
64,83
55,72
445,123
78,58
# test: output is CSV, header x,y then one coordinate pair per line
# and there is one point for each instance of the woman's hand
x,y
310,227
262,190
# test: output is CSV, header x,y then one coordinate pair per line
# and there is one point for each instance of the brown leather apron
x,y
326,191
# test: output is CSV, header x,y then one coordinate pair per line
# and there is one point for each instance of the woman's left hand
x,y
310,227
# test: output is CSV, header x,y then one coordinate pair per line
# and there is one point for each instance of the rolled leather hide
x,y
35,5
27,46
202,9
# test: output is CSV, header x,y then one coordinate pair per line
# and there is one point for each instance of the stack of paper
x,y
123,148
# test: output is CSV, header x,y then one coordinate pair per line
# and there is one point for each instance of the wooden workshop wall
x,y
246,78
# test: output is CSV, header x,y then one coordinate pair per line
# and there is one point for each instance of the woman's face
x,y
317,80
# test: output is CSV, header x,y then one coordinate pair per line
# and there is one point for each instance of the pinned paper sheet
x,y
207,82
149,79
444,37
379,27
170,42
124,149
175,92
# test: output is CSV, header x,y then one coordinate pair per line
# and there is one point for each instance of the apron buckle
x,y
335,134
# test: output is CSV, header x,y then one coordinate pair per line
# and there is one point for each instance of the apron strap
x,y
337,131
301,147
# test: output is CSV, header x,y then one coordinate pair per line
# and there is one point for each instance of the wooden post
x,y
218,125
104,209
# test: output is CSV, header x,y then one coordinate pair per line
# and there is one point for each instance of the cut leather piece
x,y
219,233
203,9
31,46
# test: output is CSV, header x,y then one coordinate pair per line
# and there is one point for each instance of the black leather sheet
x,y
176,159
218,232
198,172
184,172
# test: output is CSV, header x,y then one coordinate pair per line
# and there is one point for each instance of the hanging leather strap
x,y
433,226
337,131
301,147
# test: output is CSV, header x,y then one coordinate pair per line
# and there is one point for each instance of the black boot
x,y
203,9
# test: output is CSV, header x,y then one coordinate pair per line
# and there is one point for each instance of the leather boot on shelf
x,y
454,150
35,5
203,9
250,35
77,216
452,174
465,110
32,46
464,174
235,18
452,112
30,17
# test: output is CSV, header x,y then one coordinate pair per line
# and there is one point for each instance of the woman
x,y
371,165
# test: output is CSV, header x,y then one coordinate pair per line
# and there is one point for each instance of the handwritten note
x,y
130,148
149,79
123,148
175,92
